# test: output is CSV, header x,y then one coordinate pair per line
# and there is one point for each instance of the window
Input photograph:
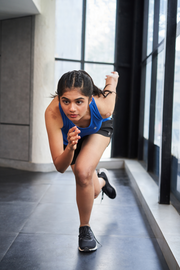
x,y
147,100
155,152
176,105
178,12
148,69
175,146
100,30
160,72
150,27
162,20
159,98
68,29
85,39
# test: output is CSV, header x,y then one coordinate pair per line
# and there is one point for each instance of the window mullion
x,y
83,34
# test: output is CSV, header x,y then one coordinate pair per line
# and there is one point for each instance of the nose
x,y
72,107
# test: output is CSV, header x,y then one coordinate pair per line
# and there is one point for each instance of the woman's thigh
x,y
91,151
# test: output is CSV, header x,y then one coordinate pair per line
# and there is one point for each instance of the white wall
x,y
43,83
38,4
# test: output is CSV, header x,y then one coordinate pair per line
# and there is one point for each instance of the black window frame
x,y
158,162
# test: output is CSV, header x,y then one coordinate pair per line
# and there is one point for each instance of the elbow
x,y
61,171
108,114
58,168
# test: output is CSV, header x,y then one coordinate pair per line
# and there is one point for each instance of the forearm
x,y
106,107
111,84
63,161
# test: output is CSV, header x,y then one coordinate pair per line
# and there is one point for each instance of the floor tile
x,y
60,194
6,239
52,252
51,218
66,178
21,192
28,177
129,253
124,196
9,171
13,216
115,220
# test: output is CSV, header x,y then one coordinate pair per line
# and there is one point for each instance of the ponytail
x,y
97,91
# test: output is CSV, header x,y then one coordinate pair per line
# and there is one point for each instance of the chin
x,y
74,119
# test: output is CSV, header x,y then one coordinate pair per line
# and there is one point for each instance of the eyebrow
x,y
75,99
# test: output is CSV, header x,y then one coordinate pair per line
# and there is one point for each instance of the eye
x,y
79,102
66,102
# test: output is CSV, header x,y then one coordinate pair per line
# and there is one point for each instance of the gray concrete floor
x,y
39,225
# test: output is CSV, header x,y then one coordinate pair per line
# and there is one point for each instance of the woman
x,y
79,129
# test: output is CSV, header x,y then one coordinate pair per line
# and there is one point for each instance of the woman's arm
x,y
106,104
61,158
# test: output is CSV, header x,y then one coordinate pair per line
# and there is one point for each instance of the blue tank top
x,y
95,124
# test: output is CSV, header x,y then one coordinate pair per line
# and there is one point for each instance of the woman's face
x,y
74,104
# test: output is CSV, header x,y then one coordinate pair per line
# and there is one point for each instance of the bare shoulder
x,y
53,114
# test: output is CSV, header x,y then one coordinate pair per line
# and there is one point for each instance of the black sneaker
x,y
87,240
108,189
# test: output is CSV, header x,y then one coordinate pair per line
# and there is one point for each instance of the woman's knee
x,y
83,176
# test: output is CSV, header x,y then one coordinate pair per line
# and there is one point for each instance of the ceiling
x,y
17,8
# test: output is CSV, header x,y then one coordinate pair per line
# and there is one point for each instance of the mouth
x,y
73,115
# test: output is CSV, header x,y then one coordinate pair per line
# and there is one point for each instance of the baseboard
x,y
110,163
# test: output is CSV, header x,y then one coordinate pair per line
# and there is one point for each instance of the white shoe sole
x,y
86,249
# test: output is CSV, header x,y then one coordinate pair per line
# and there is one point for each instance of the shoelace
x,y
102,196
96,239
85,233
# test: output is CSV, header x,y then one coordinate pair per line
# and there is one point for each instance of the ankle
x,y
102,182
84,224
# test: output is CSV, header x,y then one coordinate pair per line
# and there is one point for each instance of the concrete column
x,y
43,82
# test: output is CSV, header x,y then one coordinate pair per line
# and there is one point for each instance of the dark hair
x,y
80,79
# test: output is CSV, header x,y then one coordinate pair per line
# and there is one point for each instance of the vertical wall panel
x,y
15,87
15,142
15,70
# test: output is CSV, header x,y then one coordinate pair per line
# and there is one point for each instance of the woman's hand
x,y
73,137
112,78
